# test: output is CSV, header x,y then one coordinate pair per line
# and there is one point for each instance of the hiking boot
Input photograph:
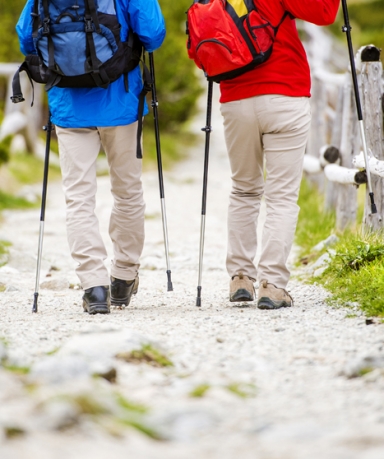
x,y
241,288
96,300
272,297
122,290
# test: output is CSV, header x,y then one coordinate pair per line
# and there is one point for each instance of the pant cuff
x,y
95,283
124,274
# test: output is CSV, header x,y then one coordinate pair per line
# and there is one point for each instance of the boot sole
x,y
267,303
96,308
241,295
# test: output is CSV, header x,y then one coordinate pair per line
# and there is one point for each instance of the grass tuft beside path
x,y
355,273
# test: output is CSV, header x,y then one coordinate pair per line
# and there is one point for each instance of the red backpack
x,y
226,38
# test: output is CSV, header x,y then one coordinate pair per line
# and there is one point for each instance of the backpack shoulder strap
x,y
17,95
91,13
35,18
250,5
147,86
286,13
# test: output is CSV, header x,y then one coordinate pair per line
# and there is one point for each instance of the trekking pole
x,y
48,129
347,29
160,168
207,129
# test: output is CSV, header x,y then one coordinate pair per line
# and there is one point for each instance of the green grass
x,y
16,369
367,19
355,273
243,390
4,149
7,201
174,146
13,432
27,169
3,258
147,354
314,225
200,390
21,170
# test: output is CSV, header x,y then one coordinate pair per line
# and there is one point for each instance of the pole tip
x,y
373,205
34,308
170,286
198,299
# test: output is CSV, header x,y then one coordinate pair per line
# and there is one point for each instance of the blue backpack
x,y
78,46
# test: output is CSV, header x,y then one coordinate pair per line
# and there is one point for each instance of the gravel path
x,y
305,382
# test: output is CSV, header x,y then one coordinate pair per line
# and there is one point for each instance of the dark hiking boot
x,y
272,297
96,300
122,291
241,288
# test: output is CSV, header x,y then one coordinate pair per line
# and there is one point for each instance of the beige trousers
x,y
79,149
274,128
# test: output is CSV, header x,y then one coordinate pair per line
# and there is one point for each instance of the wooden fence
x,y
334,159
21,118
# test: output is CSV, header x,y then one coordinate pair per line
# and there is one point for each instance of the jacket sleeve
x,y
24,29
319,12
146,19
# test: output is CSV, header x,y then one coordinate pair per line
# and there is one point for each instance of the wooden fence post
x,y
317,136
346,210
332,188
33,114
371,101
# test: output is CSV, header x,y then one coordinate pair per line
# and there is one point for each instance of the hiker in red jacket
x,y
267,117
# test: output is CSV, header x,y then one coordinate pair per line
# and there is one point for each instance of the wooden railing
x,y
22,118
335,124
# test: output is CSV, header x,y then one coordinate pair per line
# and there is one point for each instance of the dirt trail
x,y
278,383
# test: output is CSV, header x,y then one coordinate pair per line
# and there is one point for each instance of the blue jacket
x,y
87,107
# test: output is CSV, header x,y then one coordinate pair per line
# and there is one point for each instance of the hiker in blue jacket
x,y
85,120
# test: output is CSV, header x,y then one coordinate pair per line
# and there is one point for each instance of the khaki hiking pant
x,y
79,149
274,128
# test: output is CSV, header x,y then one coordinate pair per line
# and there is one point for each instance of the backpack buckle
x,y
46,29
88,25
16,99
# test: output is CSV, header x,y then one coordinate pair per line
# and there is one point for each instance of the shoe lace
x,y
241,276
264,283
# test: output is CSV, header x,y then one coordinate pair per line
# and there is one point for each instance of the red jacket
x,y
287,70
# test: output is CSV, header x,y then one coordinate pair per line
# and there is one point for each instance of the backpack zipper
x,y
213,40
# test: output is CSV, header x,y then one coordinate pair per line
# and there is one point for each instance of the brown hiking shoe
x,y
241,288
272,297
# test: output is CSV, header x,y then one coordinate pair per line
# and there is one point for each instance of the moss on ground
x,y
147,354
200,390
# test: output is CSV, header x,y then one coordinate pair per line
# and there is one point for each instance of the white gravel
x,y
295,363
